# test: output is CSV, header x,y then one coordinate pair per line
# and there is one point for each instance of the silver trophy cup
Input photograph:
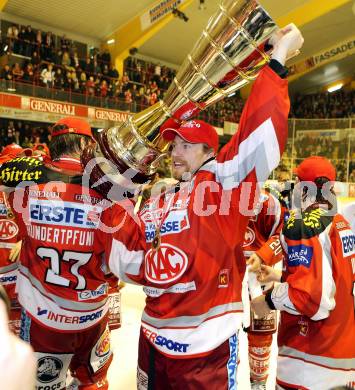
x,y
229,54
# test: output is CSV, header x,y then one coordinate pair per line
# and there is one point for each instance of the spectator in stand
x,y
157,72
153,98
59,79
147,97
35,60
74,60
128,99
113,73
87,66
64,44
48,46
22,40
17,137
38,42
47,76
28,74
12,38
125,80
153,86
76,84
68,82
105,73
116,89
66,59
2,138
103,89
96,68
7,77
90,87
10,136
17,72
326,105
30,38
82,82
19,133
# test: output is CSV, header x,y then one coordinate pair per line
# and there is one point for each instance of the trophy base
x,y
109,174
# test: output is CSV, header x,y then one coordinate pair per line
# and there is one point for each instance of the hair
x,y
208,149
322,184
67,144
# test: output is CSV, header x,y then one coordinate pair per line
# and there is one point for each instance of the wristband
x,y
278,68
269,301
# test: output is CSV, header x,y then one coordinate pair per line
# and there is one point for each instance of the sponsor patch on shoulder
x,y
347,242
300,255
176,222
340,225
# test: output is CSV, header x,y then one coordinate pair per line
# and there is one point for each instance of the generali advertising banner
x,y
49,111
103,114
53,107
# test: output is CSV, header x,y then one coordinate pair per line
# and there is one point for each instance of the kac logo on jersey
x,y
165,265
8,229
249,237
49,368
300,255
64,213
348,242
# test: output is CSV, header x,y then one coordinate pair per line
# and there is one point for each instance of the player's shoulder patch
x,y
21,169
28,169
306,224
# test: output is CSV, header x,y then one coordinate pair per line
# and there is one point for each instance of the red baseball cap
x,y
13,150
313,167
43,148
193,131
71,125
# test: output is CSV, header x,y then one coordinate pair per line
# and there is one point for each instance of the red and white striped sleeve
x,y
309,287
256,148
125,251
270,219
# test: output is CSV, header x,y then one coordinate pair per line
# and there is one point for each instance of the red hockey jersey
x,y
61,281
193,281
317,331
8,237
263,232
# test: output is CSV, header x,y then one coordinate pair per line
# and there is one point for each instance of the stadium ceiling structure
x,y
327,25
